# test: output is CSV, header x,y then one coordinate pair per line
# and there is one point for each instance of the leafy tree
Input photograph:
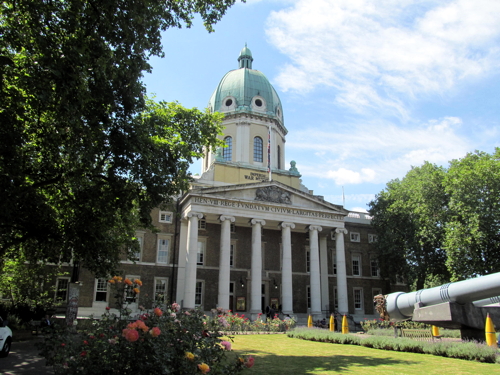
x,y
24,285
473,230
409,217
84,157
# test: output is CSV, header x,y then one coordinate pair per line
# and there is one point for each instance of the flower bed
x,y
162,341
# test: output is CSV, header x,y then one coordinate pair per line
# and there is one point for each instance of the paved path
x,y
24,359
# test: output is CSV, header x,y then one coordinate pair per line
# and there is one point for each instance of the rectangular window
x,y
374,267
202,224
130,296
372,238
233,228
161,289
163,244
334,261
165,217
335,298
140,239
231,256
200,256
198,298
62,285
355,237
358,298
308,259
356,265
101,290
308,297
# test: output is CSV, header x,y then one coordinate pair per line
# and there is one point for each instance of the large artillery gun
x,y
461,305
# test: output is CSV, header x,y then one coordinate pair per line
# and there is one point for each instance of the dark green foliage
x,y
437,224
473,229
83,157
409,217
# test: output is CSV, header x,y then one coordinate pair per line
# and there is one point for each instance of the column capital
x,y
258,221
226,217
191,214
287,225
340,230
315,227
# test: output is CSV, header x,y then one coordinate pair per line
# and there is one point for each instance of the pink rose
x,y
130,334
249,362
226,345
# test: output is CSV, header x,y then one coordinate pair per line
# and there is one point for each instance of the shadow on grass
x,y
267,363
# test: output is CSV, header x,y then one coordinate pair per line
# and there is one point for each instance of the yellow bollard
x,y
345,325
332,323
491,336
435,331
310,321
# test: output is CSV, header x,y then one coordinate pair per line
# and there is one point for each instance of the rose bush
x,y
161,341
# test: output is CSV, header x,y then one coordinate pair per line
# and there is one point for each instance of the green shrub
x,y
472,351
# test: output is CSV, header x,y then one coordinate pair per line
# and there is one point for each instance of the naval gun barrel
x,y
400,305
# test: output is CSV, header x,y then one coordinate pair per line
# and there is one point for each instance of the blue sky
x,y
369,88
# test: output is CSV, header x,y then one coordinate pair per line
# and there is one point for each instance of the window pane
x,y
201,253
257,149
356,265
199,290
163,251
227,152
358,299
62,290
160,290
101,290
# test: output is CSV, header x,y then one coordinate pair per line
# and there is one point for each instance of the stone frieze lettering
x,y
263,208
273,194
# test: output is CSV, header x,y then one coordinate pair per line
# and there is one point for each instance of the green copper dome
x,y
246,90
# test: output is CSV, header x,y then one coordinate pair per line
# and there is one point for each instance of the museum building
x,y
249,234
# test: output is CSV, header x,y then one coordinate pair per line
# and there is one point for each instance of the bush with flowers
x,y
159,341
228,321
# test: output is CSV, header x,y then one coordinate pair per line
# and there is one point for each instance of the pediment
x,y
269,193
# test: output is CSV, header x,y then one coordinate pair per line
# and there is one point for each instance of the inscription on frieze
x,y
273,194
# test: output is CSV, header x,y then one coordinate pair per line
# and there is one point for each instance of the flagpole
x,y
269,153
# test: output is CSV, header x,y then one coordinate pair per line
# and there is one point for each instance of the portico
x,y
261,207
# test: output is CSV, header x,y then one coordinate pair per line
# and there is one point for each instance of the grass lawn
x,y
280,355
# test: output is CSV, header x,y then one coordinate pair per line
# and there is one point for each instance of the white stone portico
x,y
261,206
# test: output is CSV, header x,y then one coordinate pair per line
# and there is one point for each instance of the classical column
x,y
286,271
224,263
323,256
256,272
192,250
181,269
315,284
341,270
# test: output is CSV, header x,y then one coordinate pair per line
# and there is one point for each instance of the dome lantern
x,y
245,59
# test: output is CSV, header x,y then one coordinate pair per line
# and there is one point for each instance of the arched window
x,y
227,152
279,157
257,149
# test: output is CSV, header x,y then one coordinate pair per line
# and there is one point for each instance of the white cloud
x,y
377,152
376,54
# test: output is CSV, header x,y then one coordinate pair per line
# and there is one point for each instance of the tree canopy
x,y
473,229
84,156
409,217
439,224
